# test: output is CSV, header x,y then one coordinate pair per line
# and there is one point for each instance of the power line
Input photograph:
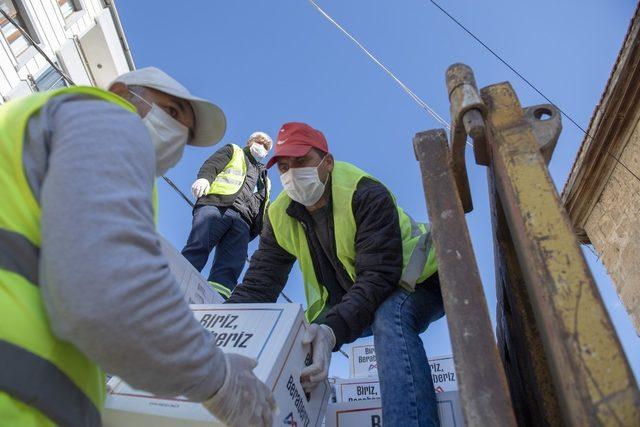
x,y
506,64
531,85
404,87
175,187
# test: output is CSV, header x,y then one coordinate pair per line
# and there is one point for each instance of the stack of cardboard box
x,y
357,399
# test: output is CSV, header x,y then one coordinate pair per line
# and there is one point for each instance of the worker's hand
x,y
322,340
243,400
200,187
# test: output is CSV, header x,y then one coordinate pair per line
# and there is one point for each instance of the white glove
x,y
322,340
243,400
200,187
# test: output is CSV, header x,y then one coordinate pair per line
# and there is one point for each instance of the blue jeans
x,y
408,397
228,233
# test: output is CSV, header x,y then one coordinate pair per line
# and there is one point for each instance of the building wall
x,y
613,225
602,193
86,46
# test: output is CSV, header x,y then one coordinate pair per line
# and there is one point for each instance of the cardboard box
x,y
354,414
369,412
363,363
271,333
194,288
443,374
450,409
367,388
354,389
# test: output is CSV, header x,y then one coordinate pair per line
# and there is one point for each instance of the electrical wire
x,y
404,87
175,187
506,64
531,85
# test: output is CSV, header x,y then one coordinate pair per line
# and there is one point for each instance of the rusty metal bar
x,y
530,384
467,111
532,391
593,379
483,387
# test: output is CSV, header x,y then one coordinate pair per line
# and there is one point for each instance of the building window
x,y
50,79
67,7
17,42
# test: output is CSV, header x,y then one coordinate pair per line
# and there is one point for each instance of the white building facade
x,y
84,38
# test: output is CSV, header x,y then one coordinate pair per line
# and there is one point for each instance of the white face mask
x,y
168,135
303,184
258,151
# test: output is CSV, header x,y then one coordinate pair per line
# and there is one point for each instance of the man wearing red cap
x,y
368,268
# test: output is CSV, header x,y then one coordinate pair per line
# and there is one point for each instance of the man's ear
x,y
120,89
330,162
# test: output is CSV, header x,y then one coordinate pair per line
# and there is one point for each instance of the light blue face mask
x,y
168,135
303,184
258,151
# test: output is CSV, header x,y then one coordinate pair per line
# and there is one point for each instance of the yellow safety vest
x,y
230,180
43,380
418,256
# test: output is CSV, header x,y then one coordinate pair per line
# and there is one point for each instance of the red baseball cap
x,y
295,139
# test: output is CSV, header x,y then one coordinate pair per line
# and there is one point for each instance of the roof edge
x,y
591,160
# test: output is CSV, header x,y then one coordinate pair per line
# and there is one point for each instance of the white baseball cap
x,y
210,124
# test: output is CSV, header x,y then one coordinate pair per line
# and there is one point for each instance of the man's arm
x,y
106,286
215,163
378,261
268,271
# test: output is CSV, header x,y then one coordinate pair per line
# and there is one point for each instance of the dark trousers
x,y
224,229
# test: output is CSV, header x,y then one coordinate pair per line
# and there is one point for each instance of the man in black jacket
x,y
367,268
232,192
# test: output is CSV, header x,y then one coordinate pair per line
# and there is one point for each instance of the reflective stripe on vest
x,y
55,395
221,289
52,377
18,255
230,180
417,253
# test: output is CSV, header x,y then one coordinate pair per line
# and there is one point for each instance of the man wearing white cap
x,y
83,283
232,192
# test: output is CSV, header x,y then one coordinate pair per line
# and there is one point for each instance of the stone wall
x,y
613,225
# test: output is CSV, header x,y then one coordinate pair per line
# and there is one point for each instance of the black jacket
x,y
249,204
378,245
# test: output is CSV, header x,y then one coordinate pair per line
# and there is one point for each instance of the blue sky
x,y
270,62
